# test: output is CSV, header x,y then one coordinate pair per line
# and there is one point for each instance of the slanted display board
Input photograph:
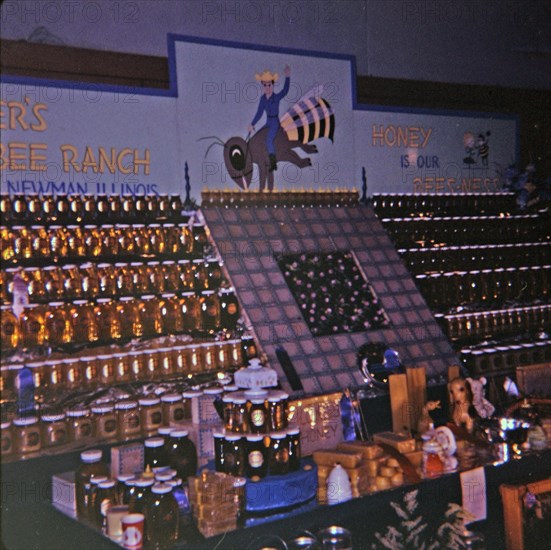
x,y
242,117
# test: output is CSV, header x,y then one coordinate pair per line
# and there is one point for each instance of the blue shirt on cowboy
x,y
271,106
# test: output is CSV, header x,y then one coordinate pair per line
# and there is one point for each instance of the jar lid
x,y
165,430
240,481
255,438
278,435
293,431
230,388
191,393
123,478
179,433
171,398
100,409
165,475
125,405
274,398
213,391
92,455
228,399
5,425
52,417
149,401
25,421
256,393
96,480
107,484
280,393
77,412
144,482
154,442
239,400
218,433
161,488
233,437
257,401
174,482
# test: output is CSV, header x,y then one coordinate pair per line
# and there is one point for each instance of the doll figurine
x,y
461,402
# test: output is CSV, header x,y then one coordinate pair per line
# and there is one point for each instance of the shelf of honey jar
x,y
67,209
105,280
122,417
68,325
179,361
47,244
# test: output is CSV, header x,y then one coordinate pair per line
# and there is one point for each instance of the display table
x,y
29,521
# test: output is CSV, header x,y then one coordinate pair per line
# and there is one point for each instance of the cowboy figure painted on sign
x,y
269,103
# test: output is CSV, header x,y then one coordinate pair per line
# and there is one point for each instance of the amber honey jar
x,y
58,324
229,309
150,314
210,311
191,312
188,398
128,419
105,421
89,368
80,426
72,372
171,314
151,415
26,435
258,415
32,326
173,408
7,439
54,430
106,369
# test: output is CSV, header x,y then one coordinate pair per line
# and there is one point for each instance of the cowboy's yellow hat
x,y
266,76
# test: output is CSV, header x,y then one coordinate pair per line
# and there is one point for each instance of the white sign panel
x,y
242,117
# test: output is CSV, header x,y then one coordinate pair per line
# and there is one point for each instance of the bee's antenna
x,y
216,138
211,146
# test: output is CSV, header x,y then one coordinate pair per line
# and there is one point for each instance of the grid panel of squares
x,y
324,363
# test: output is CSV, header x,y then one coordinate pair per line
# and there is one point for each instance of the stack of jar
x,y
104,502
106,321
90,281
257,440
90,372
89,208
104,420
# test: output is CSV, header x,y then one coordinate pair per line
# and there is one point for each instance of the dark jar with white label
x,y
257,463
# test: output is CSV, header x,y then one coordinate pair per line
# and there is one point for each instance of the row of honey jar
x,y
104,370
102,421
255,411
105,280
28,209
59,242
107,320
255,455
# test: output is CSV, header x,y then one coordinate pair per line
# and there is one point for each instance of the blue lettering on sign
x,y
16,187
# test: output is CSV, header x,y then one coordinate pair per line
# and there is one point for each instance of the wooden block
x,y
330,458
398,387
417,394
400,442
513,496
369,450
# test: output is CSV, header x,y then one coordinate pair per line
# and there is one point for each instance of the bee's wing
x,y
310,118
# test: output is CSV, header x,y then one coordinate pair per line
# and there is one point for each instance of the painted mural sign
x,y
243,117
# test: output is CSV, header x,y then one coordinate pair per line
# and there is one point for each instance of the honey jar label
x,y
258,417
256,459
110,426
